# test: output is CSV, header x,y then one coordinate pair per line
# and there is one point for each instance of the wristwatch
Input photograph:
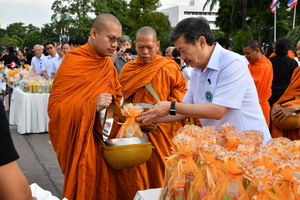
x,y
172,108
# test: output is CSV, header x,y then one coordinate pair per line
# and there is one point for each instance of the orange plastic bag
x,y
231,186
261,184
183,169
130,128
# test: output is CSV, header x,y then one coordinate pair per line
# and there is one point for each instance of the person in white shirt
x,y
221,88
297,57
50,61
37,60
59,59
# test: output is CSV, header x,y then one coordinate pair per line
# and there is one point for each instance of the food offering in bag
x,y
261,183
231,185
130,128
183,167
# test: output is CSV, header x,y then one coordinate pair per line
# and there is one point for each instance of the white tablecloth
x,y
29,112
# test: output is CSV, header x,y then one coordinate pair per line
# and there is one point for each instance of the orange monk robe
x,y
81,77
290,54
170,85
262,74
288,99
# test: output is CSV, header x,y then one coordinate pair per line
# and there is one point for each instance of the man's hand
x,y
121,51
103,101
127,57
159,110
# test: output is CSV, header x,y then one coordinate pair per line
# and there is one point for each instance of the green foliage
x,y
259,18
143,13
50,33
239,39
116,7
7,41
18,41
33,38
72,15
294,37
17,29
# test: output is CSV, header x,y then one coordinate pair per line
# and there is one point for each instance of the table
x,y
29,112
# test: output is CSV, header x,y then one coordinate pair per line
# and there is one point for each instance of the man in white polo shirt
x,y
37,60
50,61
221,88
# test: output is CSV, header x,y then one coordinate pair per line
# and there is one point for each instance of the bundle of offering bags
x,y
231,165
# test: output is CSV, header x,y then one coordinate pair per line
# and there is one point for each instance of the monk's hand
x,y
103,101
286,111
159,110
275,112
281,113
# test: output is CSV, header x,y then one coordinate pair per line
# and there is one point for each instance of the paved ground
x,y
38,161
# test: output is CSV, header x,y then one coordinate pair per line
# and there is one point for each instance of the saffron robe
x,y
82,76
262,74
288,99
170,85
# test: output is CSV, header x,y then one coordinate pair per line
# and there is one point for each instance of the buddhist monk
x,y
287,104
85,83
297,58
261,70
169,84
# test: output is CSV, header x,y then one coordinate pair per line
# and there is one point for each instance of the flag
x,y
273,5
292,3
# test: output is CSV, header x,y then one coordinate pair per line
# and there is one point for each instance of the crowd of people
x,y
198,77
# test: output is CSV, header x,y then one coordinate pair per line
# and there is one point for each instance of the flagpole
x,y
294,16
275,25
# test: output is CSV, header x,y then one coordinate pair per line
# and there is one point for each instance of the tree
x,y
116,7
32,38
17,29
72,15
50,33
144,14
6,41
294,36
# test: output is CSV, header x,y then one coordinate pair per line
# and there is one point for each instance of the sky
x,y
38,12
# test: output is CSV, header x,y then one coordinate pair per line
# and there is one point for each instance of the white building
x,y
194,9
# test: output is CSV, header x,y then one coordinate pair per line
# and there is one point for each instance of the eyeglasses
x,y
111,39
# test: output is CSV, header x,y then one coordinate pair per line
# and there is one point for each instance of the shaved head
x,y
146,30
253,44
100,23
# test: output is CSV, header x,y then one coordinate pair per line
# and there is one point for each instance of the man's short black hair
x,y
11,50
192,28
282,46
81,40
50,42
224,42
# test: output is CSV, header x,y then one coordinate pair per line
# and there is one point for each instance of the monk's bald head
x,y
253,44
146,31
298,45
100,23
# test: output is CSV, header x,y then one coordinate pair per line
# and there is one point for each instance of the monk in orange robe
x,y
261,70
169,84
288,103
84,84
